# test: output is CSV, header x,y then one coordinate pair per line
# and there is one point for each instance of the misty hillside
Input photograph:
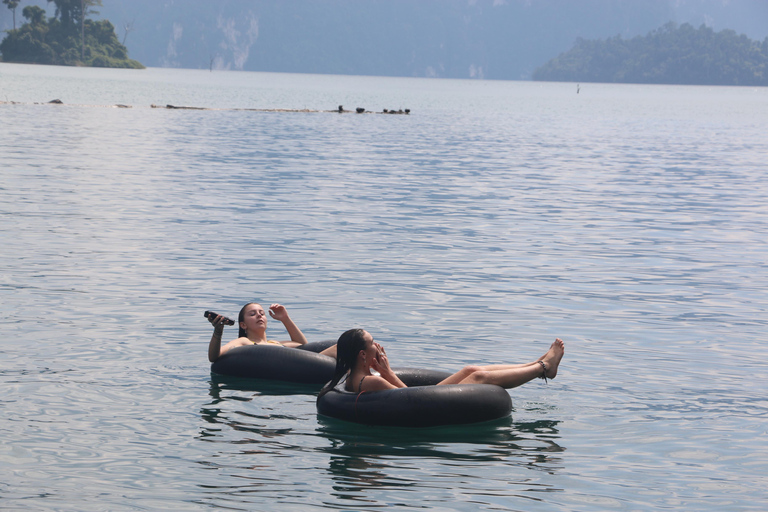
x,y
493,39
668,55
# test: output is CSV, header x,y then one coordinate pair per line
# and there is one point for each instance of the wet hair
x,y
241,318
348,346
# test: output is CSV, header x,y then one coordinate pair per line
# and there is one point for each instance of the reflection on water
x,y
241,418
494,440
364,457
225,390
502,436
219,383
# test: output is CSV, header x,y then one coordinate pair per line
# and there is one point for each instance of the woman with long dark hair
x,y
358,355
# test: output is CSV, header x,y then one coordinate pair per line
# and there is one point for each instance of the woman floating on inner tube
x,y
358,354
253,330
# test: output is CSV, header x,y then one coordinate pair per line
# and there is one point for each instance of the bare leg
x,y
330,351
495,367
460,375
513,377
505,378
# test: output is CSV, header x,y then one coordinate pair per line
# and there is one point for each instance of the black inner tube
x,y
275,362
421,406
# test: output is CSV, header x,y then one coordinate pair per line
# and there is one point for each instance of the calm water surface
x,y
629,220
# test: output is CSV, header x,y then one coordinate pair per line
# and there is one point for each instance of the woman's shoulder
x,y
237,342
373,383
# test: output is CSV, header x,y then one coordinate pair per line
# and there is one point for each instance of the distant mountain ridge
x,y
669,55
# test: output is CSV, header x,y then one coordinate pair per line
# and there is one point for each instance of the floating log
x,y
185,108
340,109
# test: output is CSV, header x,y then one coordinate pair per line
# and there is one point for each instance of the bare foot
x,y
551,349
553,357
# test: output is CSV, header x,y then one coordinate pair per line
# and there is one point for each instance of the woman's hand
x,y
278,312
218,323
380,362
214,346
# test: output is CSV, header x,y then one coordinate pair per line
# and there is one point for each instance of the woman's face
x,y
254,318
370,350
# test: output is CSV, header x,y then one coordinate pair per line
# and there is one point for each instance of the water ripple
x,y
630,221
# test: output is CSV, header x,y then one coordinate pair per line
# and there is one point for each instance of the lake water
x,y
632,221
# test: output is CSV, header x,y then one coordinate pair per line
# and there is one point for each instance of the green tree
x,y
12,5
27,44
73,13
34,14
78,41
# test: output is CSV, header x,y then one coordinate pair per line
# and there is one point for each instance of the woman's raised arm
x,y
278,312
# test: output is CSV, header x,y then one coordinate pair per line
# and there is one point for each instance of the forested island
x,y
668,55
68,39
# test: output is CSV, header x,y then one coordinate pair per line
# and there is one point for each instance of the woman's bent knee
x,y
478,377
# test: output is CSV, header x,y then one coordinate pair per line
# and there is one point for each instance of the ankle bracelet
x,y
544,373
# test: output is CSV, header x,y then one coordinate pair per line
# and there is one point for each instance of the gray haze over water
x,y
492,39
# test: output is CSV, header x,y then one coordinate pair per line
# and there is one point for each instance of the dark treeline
x,y
69,38
668,55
